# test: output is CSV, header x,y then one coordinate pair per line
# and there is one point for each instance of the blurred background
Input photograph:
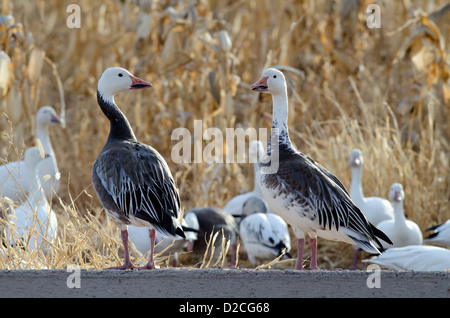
x,y
384,90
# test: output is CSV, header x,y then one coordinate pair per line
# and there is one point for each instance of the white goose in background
x,y
401,231
13,180
34,221
440,234
414,258
140,237
375,209
310,198
234,206
265,235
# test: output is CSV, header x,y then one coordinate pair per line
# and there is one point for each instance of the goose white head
x,y
116,79
356,158
396,194
47,115
272,82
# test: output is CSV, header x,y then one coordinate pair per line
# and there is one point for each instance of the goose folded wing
x,y
140,184
322,194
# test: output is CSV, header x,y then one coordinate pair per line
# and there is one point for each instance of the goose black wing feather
x,y
321,193
136,181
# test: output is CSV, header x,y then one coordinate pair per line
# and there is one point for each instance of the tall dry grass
x,y
386,91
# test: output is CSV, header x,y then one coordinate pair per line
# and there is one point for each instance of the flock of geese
x,y
135,187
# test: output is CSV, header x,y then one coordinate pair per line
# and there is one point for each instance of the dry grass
x,y
386,91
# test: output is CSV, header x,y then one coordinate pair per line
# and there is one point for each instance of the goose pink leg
x,y
127,264
300,248
313,246
151,264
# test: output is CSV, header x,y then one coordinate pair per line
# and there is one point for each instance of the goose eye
x,y
120,74
274,76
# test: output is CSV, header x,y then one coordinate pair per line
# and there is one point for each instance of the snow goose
x,y
375,209
401,231
34,221
211,220
234,206
310,198
139,236
414,258
264,235
131,179
440,234
13,182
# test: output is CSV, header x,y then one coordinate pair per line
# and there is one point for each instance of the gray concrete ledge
x,y
222,283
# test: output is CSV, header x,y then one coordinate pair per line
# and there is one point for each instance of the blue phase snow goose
x,y
13,178
131,179
210,221
305,194
440,234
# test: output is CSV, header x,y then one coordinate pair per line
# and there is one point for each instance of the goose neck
x,y
356,190
120,128
399,212
280,117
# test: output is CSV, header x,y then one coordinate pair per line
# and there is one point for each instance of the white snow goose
x,y
375,209
440,234
13,180
305,194
265,235
401,231
34,221
234,206
414,258
131,179
139,236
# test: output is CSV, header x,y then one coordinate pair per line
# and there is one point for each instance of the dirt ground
x,y
222,283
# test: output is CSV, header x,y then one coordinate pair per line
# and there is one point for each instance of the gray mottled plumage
x,y
212,220
131,179
134,184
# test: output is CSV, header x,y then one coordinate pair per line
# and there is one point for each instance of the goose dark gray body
x,y
212,220
136,187
318,197
131,179
310,198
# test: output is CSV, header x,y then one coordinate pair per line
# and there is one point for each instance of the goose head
x,y
47,115
396,193
356,158
272,82
116,79
253,205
